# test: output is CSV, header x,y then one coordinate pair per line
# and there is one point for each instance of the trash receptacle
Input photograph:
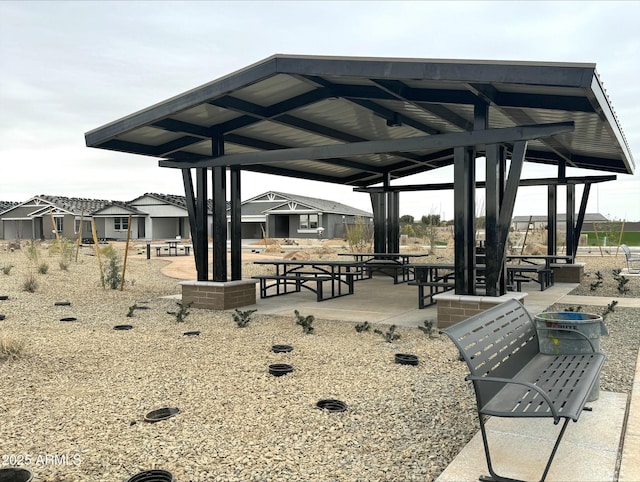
x,y
571,333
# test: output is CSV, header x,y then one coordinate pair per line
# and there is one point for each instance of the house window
x,y
308,221
59,224
120,224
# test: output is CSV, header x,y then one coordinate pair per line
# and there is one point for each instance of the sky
x,y
69,67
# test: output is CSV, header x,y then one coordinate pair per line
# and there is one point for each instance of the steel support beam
x,y
569,223
510,192
379,206
236,225
190,201
201,243
547,181
219,186
494,191
552,219
464,220
393,222
329,151
580,221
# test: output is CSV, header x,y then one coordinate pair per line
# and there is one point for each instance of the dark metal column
x,y
580,221
393,222
219,187
201,243
552,219
379,221
190,200
571,209
464,219
494,260
510,192
236,225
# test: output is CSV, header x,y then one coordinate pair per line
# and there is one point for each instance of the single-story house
x,y
164,216
153,216
282,215
520,223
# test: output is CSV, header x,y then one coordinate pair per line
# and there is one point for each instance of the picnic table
x,y
437,278
292,275
172,247
395,265
541,265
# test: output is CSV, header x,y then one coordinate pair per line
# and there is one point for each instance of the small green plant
x,y
390,335
622,281
242,318
305,322
599,280
10,348
6,269
112,269
43,268
427,328
30,284
576,308
609,309
360,327
33,252
132,308
64,248
182,312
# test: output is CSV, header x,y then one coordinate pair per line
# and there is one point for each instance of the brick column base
x,y
215,295
454,308
567,273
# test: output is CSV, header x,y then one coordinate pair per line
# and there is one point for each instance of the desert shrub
x,y
6,269
30,283
10,348
427,328
242,318
390,335
305,322
360,236
360,327
33,252
64,248
43,268
182,312
112,270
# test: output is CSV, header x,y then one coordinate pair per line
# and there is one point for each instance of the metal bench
x,y
631,259
511,378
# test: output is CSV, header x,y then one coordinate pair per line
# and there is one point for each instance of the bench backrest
x,y
495,343
625,249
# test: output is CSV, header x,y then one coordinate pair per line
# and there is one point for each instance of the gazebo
x,y
367,123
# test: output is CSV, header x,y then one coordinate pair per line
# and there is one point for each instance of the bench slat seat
x,y
511,378
555,376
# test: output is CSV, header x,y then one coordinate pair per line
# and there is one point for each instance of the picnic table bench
x,y
394,265
511,378
292,275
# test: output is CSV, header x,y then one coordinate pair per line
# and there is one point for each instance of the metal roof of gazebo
x,y
369,121
330,107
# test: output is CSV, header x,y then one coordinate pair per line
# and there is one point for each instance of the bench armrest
x,y
543,394
542,328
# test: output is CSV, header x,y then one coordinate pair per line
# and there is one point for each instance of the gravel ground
x,y
72,406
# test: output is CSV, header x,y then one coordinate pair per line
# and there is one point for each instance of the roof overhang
x,y
362,121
